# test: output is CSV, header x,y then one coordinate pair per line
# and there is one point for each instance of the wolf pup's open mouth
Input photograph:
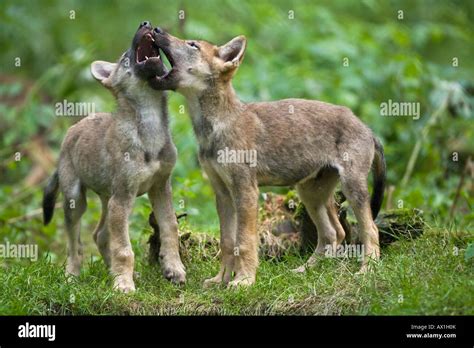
x,y
146,49
161,43
147,57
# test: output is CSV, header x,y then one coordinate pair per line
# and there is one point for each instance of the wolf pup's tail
x,y
379,174
50,194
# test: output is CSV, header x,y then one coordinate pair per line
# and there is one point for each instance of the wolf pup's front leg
x,y
228,227
237,207
170,261
121,253
245,196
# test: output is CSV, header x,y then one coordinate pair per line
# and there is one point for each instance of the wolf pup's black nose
x,y
158,30
145,24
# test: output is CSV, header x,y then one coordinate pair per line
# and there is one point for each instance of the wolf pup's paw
x,y
217,280
307,265
71,278
300,269
124,284
366,268
174,272
241,282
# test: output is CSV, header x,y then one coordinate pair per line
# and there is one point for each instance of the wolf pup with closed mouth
x,y
306,143
120,156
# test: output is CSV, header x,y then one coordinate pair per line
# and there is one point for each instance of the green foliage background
x,y
409,59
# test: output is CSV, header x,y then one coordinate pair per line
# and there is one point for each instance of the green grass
x,y
429,275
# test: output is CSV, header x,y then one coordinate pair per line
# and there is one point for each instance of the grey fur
x,y
119,156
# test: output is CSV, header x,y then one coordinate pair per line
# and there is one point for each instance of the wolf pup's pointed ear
x,y
233,52
102,70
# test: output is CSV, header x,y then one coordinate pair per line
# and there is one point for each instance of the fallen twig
x,y
32,214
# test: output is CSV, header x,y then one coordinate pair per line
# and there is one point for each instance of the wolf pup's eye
x,y
193,45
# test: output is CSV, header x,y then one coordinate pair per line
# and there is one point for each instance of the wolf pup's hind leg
x,y
101,235
75,205
357,194
316,194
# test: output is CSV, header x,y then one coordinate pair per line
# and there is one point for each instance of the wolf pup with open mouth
x,y
306,143
121,156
